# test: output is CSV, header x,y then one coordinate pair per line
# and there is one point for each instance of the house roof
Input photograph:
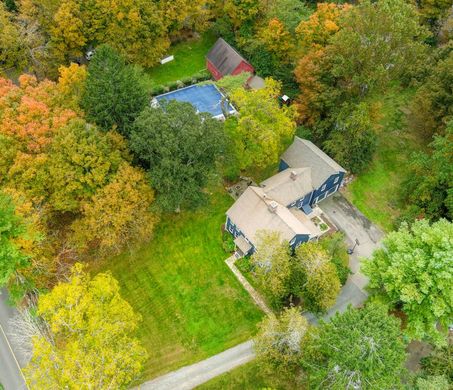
x,y
255,211
304,153
224,57
289,185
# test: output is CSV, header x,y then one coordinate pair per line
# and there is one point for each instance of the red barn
x,y
223,60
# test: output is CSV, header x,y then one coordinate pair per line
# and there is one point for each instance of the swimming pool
x,y
205,98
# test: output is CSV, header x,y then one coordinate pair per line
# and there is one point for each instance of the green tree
x,y
289,12
279,342
432,106
271,263
315,277
114,94
179,148
360,348
337,250
413,271
12,49
428,191
11,229
352,141
91,341
263,129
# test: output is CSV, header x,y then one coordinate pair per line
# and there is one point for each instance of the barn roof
x,y
303,153
255,211
224,57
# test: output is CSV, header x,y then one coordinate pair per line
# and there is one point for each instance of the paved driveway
x,y
355,226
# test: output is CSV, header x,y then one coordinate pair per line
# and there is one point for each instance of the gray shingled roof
x,y
289,185
224,57
303,153
251,213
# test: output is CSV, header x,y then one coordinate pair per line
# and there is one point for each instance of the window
x,y
336,180
323,187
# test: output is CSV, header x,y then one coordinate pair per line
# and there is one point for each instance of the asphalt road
x,y
10,374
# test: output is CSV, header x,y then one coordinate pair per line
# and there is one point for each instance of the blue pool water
x,y
205,98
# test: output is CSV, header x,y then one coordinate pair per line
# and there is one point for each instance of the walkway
x,y
188,377
253,293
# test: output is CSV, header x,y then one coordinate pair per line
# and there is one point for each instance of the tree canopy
x,y
114,94
413,272
90,341
360,348
179,147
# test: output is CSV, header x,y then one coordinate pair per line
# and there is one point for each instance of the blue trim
x,y
282,166
332,182
231,227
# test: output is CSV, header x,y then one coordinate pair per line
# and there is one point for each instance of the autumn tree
x,y
289,12
412,272
314,277
271,263
279,342
91,341
242,12
114,94
81,160
12,50
179,147
429,193
118,214
277,39
360,348
11,229
263,129
71,85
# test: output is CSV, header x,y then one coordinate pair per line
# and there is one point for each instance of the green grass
x,y
376,192
190,58
191,303
249,377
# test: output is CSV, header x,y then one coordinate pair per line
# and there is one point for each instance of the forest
x,y
105,201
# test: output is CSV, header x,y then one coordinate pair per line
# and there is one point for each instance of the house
x,y
223,60
284,202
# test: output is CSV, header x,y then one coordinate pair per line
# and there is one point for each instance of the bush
x,y
228,242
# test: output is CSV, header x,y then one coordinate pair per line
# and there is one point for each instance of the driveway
x,y
356,226
10,375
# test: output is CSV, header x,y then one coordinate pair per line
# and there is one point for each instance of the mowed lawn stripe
x,y
192,305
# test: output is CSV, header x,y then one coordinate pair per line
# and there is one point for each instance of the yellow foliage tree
x,y
321,25
90,343
263,128
277,39
71,85
118,213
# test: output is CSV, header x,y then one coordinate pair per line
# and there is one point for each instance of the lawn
x,y
376,191
190,58
192,305
249,377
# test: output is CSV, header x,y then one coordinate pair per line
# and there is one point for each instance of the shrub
x,y
228,242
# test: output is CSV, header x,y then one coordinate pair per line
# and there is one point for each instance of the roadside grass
x,y
376,192
190,58
191,303
250,376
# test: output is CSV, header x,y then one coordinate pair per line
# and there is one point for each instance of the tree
x,y
179,148
71,84
277,39
412,271
81,161
379,42
352,142
288,12
335,246
440,362
315,277
114,94
431,108
12,50
118,213
428,191
360,348
91,343
438,382
242,12
263,128
279,342
11,229
271,262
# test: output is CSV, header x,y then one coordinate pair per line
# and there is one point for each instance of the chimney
x,y
272,206
293,175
